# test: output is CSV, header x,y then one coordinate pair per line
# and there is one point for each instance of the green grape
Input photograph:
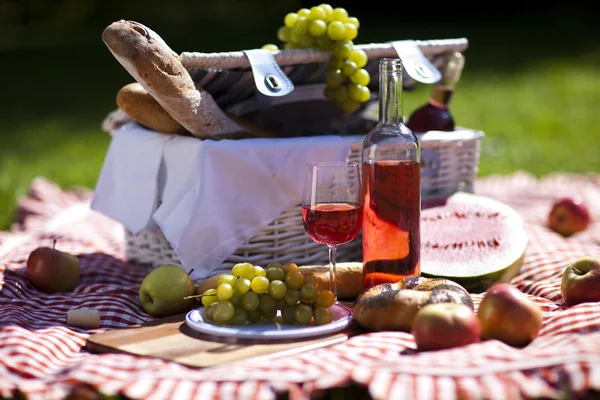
x,y
270,47
323,42
296,37
306,42
288,314
240,316
292,297
349,68
284,34
359,57
294,280
269,315
238,269
259,271
323,315
272,265
303,12
267,303
336,30
290,20
334,78
241,285
312,280
235,299
339,14
302,25
358,92
342,49
275,274
317,27
325,298
224,291
328,92
277,289
308,293
223,312
253,316
303,314
354,21
361,77
209,297
290,45
328,11
210,311
280,303
226,278
289,267
250,301
316,13
351,31
336,62
260,284
340,94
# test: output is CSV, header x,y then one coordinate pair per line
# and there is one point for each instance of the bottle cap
x,y
453,67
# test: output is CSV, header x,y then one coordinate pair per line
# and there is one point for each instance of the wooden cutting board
x,y
171,339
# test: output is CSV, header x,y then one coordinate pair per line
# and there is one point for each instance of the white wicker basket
x,y
449,164
449,159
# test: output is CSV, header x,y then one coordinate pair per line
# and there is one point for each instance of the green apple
x,y
51,270
164,290
581,281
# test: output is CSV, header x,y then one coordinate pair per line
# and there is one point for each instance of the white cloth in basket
x,y
208,197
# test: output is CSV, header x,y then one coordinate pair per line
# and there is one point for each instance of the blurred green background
x,y
531,80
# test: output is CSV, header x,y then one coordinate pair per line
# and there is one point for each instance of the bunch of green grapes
x,y
331,29
251,293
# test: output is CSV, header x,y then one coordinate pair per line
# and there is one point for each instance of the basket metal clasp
x,y
269,79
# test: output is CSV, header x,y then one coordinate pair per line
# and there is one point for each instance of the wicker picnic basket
x,y
449,159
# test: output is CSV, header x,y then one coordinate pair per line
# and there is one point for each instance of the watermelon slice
x,y
473,240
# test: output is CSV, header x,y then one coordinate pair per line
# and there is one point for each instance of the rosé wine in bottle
x,y
392,188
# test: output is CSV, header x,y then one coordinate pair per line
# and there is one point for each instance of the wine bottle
x,y
391,175
435,114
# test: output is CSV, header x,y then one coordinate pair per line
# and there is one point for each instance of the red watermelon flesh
x,y
473,240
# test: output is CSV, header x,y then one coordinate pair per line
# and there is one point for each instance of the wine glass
x,y
332,206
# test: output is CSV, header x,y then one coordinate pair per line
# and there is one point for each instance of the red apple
x,y
445,325
568,216
52,271
506,314
581,281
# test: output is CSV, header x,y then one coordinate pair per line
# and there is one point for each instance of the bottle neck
x,y
441,96
390,96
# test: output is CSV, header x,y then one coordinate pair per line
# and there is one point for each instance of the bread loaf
x,y
137,103
158,70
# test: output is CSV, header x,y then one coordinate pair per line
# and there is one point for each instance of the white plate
x,y
342,317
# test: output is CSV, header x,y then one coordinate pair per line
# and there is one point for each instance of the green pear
x,y
51,270
164,290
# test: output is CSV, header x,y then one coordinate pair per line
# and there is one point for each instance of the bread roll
x,y
158,70
136,102
393,306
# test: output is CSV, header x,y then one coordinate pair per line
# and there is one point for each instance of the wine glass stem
x,y
332,284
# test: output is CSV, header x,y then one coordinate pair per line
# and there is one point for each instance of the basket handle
x,y
237,59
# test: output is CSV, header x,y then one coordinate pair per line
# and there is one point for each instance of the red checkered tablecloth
x,y
42,358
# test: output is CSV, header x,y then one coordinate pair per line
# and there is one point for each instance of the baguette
x,y
158,70
348,279
138,104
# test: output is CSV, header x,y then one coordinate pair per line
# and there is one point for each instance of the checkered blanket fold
x,y
42,358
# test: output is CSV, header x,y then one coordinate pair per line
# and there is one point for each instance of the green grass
x,y
537,106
